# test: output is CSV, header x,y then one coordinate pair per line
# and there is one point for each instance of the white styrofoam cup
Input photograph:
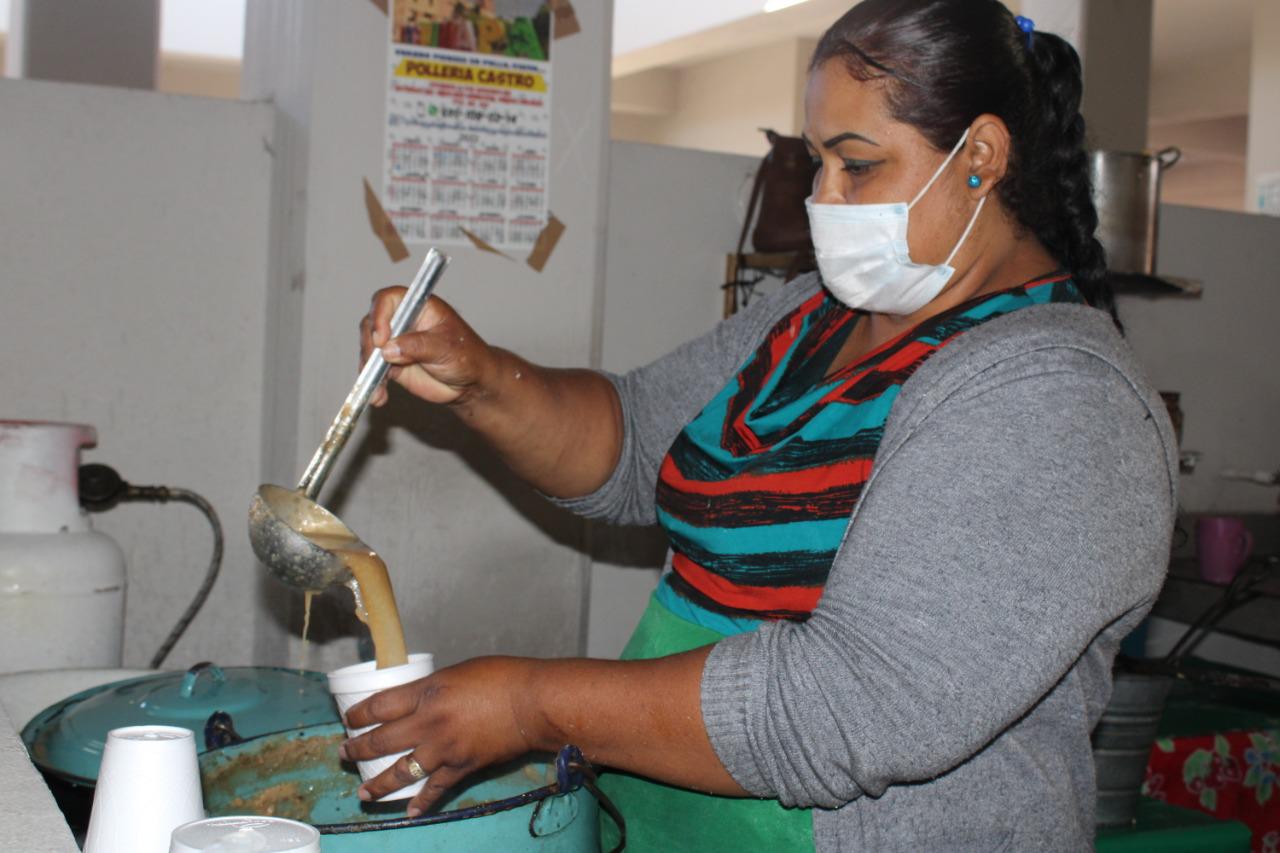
x,y
148,784
245,834
353,684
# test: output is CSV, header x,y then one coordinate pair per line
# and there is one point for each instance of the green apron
x,y
662,818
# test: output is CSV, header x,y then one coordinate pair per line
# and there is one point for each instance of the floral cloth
x,y
1229,775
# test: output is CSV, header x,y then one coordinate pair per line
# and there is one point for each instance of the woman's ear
x,y
987,152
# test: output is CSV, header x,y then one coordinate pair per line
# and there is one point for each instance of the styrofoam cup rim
x,y
309,843
365,677
127,733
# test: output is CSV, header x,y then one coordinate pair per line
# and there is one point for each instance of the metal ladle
x,y
280,518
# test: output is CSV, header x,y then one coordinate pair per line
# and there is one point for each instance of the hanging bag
x,y
783,181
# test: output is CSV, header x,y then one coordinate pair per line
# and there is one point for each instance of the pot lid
x,y
218,705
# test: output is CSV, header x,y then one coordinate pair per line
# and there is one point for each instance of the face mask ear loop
x,y
941,168
973,220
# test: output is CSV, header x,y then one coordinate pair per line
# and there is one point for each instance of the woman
x,y
914,502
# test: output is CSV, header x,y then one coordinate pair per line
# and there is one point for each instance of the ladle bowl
x,y
280,519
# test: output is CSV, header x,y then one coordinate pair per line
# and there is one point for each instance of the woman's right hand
x,y
560,430
440,359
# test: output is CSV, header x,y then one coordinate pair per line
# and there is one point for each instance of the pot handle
x,y
573,771
220,731
189,680
1169,157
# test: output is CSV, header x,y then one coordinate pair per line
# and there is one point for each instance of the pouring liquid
x,y
306,629
371,586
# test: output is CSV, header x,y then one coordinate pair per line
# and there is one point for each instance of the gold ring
x,y
415,769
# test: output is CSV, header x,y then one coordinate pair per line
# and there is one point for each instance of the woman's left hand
x,y
643,716
456,721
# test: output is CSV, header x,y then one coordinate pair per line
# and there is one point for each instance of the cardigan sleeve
x,y
659,399
1022,516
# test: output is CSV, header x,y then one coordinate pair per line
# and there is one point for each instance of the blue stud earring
x,y
975,181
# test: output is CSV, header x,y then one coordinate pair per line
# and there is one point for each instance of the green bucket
x,y
540,804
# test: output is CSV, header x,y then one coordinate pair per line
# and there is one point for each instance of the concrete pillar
x,y
1262,174
480,564
84,41
1113,38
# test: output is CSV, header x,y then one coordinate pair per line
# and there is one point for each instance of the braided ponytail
x,y
947,62
1055,199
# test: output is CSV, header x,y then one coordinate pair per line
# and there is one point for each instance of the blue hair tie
x,y
1028,26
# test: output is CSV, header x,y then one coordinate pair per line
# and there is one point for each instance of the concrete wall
x,y
1116,50
183,73
480,563
1202,107
193,74
1220,351
1264,118
188,274
673,215
1211,171
134,231
112,44
721,104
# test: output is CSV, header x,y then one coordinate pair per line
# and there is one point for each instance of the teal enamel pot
x,y
544,804
221,705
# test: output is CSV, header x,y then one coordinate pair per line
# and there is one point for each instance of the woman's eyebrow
x,y
836,140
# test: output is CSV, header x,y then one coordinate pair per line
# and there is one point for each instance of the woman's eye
x,y
858,167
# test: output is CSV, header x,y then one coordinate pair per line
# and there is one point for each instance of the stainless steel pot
x,y
1126,191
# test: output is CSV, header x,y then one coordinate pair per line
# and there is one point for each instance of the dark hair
x,y
945,63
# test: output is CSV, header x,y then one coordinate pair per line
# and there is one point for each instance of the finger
x,y
437,785
386,705
398,775
434,346
380,394
366,338
386,739
384,304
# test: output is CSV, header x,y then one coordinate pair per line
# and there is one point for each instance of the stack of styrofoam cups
x,y
148,784
353,684
246,834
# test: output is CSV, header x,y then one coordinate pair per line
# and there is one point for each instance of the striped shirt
x,y
756,491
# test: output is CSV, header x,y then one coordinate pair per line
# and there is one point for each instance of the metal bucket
x,y
530,805
1122,743
1126,192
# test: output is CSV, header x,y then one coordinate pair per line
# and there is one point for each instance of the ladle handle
x,y
371,375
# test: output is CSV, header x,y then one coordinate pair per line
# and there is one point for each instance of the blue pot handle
x,y
193,675
220,731
573,771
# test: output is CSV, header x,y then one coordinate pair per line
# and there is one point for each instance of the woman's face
x,y
867,157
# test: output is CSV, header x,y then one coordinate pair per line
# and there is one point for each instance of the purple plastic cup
x,y
1223,544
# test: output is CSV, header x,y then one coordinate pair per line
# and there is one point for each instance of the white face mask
x,y
862,252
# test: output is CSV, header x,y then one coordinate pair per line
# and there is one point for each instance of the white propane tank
x,y
62,584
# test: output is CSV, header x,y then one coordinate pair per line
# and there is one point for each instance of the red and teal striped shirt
x,y
756,492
